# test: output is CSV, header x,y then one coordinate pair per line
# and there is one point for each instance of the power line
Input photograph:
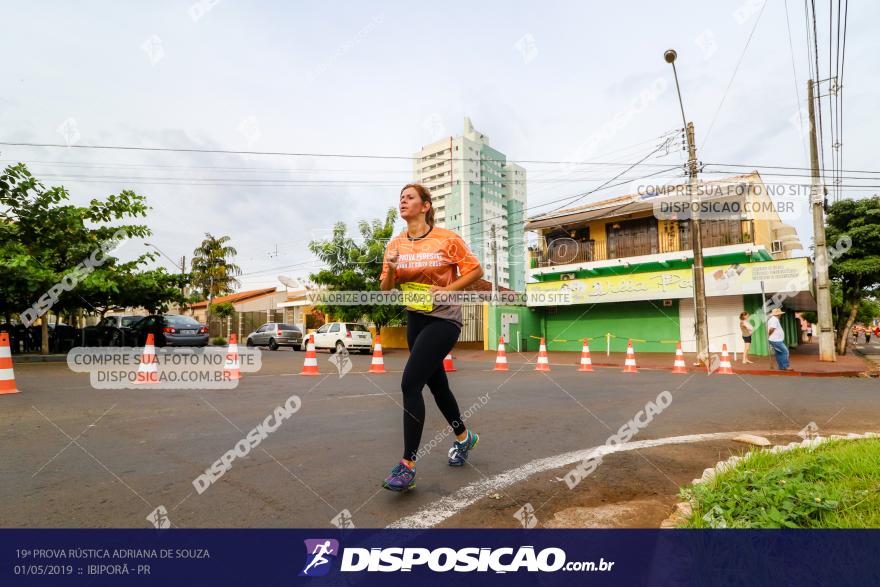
x,y
545,162
797,92
574,211
790,174
296,154
283,182
733,76
792,167
840,86
818,93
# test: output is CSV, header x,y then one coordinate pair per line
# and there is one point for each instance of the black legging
x,y
430,340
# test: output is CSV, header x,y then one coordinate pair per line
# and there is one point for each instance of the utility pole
x,y
700,323
701,330
182,274
820,263
494,261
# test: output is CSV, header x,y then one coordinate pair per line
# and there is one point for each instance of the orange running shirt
x,y
439,258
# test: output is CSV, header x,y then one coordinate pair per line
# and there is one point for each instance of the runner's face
x,y
411,204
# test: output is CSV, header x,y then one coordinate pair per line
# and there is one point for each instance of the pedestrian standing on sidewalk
x,y
867,332
421,257
776,337
746,328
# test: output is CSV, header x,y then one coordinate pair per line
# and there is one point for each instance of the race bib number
x,y
417,296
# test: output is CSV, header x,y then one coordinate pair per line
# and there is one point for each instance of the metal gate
x,y
472,323
243,323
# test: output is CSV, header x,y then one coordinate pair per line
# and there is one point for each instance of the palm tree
x,y
212,273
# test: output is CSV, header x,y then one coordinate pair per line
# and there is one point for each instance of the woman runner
x,y
432,256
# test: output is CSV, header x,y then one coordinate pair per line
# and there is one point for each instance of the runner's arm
x,y
463,281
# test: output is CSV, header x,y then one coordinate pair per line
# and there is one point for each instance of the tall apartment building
x,y
475,192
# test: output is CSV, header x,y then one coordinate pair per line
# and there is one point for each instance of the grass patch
x,y
835,485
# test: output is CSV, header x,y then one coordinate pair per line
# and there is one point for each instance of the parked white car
x,y
349,335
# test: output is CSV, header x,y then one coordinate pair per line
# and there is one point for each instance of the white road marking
x,y
448,506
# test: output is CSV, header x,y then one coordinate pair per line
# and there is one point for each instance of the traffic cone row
x,y
586,364
7,375
310,365
377,365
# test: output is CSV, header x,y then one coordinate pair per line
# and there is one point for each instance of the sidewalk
x,y
38,358
805,361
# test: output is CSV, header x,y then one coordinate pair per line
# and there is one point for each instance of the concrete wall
x,y
530,325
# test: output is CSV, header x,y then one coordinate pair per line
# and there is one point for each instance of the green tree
x,y
213,274
115,286
49,247
223,310
856,270
351,266
869,308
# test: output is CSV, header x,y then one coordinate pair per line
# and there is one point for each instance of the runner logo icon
x,y
320,553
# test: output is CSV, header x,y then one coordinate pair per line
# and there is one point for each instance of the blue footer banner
x,y
436,557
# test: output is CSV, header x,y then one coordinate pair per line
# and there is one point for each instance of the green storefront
x,y
664,319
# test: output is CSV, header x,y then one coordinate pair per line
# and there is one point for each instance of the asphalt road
x,y
74,456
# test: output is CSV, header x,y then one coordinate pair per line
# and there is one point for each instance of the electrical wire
x,y
297,154
797,92
818,91
733,76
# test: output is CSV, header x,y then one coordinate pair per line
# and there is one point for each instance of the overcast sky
x,y
542,80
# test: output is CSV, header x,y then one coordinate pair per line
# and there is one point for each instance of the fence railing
x,y
242,323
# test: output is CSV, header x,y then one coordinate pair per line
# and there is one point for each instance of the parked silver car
x,y
276,334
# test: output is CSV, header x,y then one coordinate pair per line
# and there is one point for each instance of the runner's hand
x,y
391,260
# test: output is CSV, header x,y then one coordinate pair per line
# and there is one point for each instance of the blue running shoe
x,y
458,454
402,478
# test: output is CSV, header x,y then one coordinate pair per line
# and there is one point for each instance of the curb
x,y
24,359
683,510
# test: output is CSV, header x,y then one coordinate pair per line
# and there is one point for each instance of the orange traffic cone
x,y
448,365
378,363
586,363
629,365
678,366
148,370
232,367
7,375
501,359
543,364
724,367
310,365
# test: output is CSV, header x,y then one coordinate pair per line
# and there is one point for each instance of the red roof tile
x,y
236,297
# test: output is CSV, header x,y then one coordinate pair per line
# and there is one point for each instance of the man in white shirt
x,y
776,337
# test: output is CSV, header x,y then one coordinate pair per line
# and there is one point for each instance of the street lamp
x,y
700,319
182,265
